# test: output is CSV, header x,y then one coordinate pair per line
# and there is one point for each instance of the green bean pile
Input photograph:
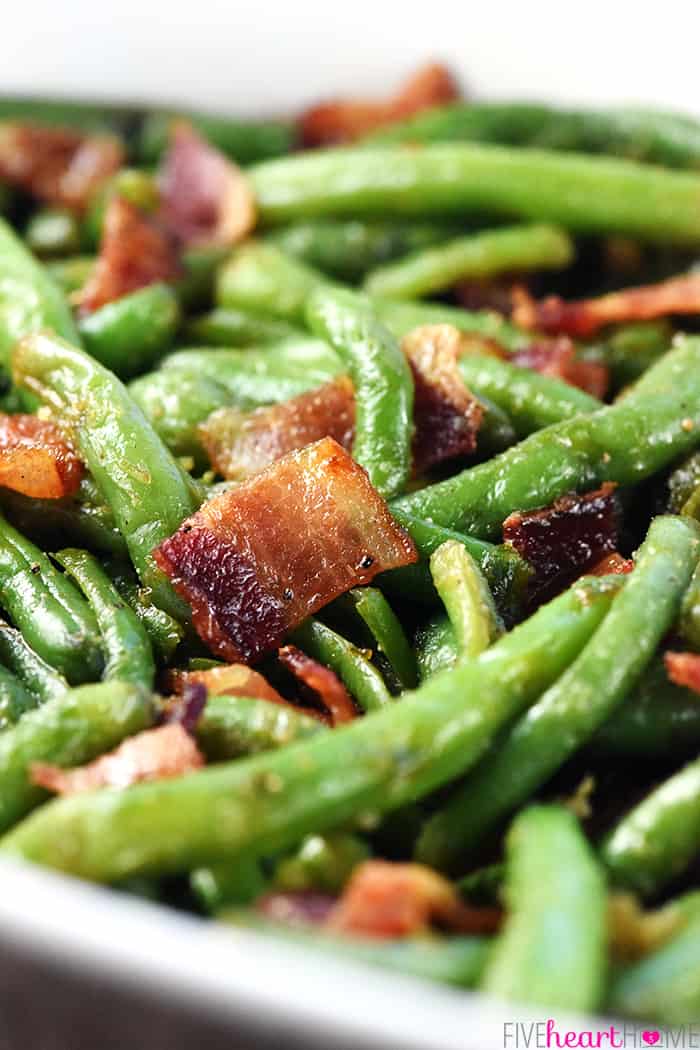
x,y
520,738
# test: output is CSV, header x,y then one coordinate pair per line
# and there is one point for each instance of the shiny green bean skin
x,y
566,716
552,950
228,886
15,699
245,141
226,326
127,649
626,442
129,335
83,519
582,194
67,731
40,679
467,598
148,492
382,382
485,254
52,232
360,677
386,630
372,766
321,862
163,629
436,647
175,401
234,726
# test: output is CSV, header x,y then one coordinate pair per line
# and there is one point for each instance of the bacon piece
x,y
155,754
206,199
302,908
35,458
448,416
240,444
683,669
256,561
134,253
321,681
187,708
57,165
229,680
558,359
347,120
400,900
678,295
612,564
562,541
497,294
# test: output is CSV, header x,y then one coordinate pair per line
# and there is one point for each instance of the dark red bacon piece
x,y
134,252
683,669
497,294
323,682
557,358
231,680
35,458
57,165
344,120
155,754
256,561
205,198
563,541
678,295
611,565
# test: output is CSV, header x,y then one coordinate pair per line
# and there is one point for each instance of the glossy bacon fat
x,y
256,561
35,459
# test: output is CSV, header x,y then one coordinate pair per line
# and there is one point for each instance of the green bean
x,y
689,620
671,139
29,299
625,442
347,250
67,731
246,141
552,949
484,886
665,985
164,631
489,253
72,273
466,596
149,494
630,349
225,326
382,381
195,289
496,432
138,187
54,618
602,195
357,772
568,714
175,401
436,647
51,232
322,862
127,648
227,885
15,699
130,334
233,726
70,113
360,677
530,400
41,680
386,630
683,482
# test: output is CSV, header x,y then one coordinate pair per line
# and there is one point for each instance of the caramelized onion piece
x,y
321,681
346,120
134,252
155,754
35,458
206,199
683,669
558,359
256,561
57,165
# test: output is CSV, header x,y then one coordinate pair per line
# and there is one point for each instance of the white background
x,y
264,55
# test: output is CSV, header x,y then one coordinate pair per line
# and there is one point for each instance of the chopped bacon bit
x,y
35,458
134,253
497,294
240,444
256,561
448,416
562,541
155,754
678,295
612,564
322,681
58,165
187,708
558,359
683,669
229,680
303,908
206,199
347,120
388,900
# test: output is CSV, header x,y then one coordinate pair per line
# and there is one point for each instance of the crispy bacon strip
x,y
230,680
448,416
558,359
612,564
155,754
347,120
135,252
205,198
240,444
387,900
321,681
35,458
678,295
256,561
683,669
562,541
57,165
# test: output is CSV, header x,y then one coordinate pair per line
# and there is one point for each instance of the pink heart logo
x,y
651,1038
